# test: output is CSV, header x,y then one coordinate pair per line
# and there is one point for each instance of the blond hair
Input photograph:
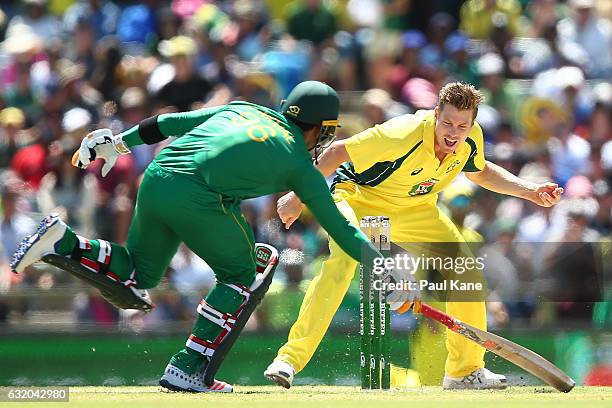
x,y
462,96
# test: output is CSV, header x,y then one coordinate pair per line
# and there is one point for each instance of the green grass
x,y
327,396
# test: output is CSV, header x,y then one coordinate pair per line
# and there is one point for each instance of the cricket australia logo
x,y
423,187
453,166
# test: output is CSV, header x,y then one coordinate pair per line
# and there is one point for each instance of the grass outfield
x,y
328,396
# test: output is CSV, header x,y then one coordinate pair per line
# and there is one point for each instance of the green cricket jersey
x,y
243,150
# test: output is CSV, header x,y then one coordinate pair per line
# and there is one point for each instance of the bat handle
x,y
437,315
75,159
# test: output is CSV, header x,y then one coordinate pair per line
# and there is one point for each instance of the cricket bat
x,y
519,355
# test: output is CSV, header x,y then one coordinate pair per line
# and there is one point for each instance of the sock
x,y
188,360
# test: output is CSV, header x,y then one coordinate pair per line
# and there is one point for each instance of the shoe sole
x,y
501,386
278,379
171,387
26,245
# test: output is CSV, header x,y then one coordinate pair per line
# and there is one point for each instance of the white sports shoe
x,y
42,242
480,379
281,373
175,379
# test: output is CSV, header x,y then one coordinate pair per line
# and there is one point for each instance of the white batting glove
x,y
402,299
100,144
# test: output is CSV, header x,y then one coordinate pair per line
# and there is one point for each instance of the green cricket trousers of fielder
x,y
172,208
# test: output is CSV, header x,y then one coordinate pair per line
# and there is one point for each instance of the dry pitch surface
x,y
328,396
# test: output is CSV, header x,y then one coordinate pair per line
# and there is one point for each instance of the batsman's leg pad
x,y
266,257
120,294
224,320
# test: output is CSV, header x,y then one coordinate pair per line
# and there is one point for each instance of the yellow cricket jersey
x,y
395,162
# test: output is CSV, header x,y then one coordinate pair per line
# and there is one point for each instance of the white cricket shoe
x,y
281,373
480,379
175,379
42,242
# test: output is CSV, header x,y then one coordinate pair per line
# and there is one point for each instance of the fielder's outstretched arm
x,y
332,158
384,142
497,179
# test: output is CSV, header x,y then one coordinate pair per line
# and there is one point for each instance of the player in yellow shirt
x,y
397,169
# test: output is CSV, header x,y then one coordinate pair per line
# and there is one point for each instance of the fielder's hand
x,y
100,144
546,194
289,208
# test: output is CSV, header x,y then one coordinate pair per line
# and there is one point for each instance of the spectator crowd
x,y
70,66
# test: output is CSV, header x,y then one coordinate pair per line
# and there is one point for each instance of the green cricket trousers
x,y
172,208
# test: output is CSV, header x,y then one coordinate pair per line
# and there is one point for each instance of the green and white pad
x,y
266,257
116,292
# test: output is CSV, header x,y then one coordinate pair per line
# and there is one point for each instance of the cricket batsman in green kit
x,y
191,193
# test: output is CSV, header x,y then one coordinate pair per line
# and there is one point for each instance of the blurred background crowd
x,y
70,66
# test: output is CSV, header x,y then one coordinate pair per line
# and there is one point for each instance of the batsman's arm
x,y
497,179
311,188
103,144
157,128
289,206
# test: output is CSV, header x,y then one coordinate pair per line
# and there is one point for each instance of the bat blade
x,y
522,357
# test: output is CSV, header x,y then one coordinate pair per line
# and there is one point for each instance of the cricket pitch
x,y
335,396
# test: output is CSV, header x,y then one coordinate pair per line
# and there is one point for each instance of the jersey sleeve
x,y
168,124
310,187
476,160
380,143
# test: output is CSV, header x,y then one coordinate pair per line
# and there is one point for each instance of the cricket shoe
x,y
480,379
175,379
281,373
42,242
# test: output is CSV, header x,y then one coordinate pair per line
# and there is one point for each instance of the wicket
x,y
374,314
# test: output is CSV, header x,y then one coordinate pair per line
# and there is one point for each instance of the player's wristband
x,y
149,131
